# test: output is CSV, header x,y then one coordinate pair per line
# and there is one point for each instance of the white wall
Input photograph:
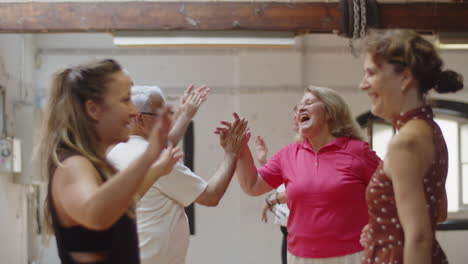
x,y
262,85
241,81
16,75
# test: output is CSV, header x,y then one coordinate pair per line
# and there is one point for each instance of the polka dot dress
x,y
385,231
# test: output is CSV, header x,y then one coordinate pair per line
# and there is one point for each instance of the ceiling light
x,y
255,39
452,40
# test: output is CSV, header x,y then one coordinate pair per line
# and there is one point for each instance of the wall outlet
x,y
10,155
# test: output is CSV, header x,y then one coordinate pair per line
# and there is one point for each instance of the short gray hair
x,y
141,95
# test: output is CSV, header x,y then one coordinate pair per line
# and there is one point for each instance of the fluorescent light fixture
x,y
254,39
452,40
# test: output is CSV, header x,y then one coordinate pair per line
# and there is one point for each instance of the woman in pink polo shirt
x,y
325,175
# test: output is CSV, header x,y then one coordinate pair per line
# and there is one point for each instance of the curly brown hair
x,y
408,49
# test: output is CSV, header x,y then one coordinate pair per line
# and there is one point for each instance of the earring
x,y
405,83
404,87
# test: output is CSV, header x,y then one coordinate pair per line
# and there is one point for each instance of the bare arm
x,y
189,104
277,198
230,140
261,151
77,191
81,198
408,159
250,181
272,199
219,182
443,208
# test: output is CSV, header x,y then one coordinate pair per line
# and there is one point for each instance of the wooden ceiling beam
x,y
429,17
40,17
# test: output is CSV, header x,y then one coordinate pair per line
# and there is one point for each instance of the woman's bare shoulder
x,y
75,167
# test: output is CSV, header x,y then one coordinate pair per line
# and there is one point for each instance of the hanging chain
x,y
356,27
356,19
363,18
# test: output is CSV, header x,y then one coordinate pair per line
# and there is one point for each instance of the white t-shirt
x,y
281,210
163,229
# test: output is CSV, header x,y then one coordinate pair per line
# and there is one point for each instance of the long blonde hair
x,y
341,123
66,123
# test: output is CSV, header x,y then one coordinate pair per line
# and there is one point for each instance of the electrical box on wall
x,y
10,155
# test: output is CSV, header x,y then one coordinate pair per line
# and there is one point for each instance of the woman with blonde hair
x,y
406,197
325,175
89,203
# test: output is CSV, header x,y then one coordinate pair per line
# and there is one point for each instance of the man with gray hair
x,y
162,224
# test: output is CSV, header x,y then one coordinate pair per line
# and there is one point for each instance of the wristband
x,y
276,198
267,200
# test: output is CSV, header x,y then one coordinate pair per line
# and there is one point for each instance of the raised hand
x,y
261,150
167,159
157,139
186,94
191,100
163,165
232,135
226,125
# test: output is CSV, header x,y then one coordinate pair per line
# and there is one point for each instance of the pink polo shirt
x,y
326,194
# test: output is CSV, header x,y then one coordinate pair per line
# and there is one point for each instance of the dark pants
x,y
284,245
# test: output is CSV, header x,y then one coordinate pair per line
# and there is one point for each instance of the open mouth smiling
x,y
304,118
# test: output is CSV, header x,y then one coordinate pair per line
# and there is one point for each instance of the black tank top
x,y
120,240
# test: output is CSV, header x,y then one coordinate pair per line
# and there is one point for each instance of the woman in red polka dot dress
x,y
406,195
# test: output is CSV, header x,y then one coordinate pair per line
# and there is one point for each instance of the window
x,y
464,162
452,117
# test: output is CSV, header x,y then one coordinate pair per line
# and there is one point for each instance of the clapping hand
x,y
157,139
233,135
168,158
261,150
192,99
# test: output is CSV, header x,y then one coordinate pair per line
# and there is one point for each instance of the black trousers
x,y
284,245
